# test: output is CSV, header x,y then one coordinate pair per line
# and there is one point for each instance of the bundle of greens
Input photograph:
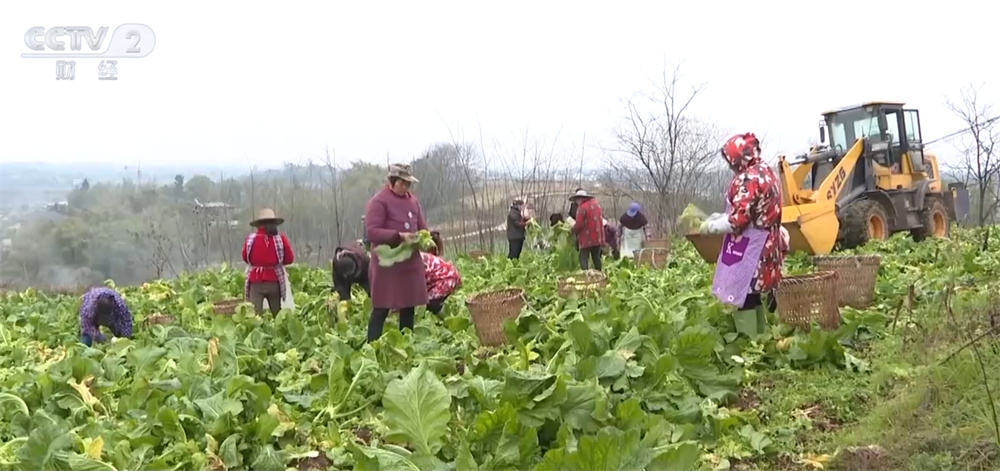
x,y
691,219
389,256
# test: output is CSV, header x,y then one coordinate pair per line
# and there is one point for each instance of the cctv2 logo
x,y
130,40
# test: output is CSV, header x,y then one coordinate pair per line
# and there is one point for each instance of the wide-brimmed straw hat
x,y
580,194
265,216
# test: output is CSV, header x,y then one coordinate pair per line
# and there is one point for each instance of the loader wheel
x,y
934,217
863,221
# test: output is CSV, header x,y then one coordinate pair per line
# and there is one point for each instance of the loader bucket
x,y
812,228
707,245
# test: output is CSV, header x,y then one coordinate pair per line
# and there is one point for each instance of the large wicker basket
x,y
806,298
656,258
477,254
490,309
856,277
158,319
226,307
590,281
663,243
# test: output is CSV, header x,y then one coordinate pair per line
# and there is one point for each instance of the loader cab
x,y
896,145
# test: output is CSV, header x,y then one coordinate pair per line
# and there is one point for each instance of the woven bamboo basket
x,y
856,277
656,243
226,307
590,281
477,254
159,319
489,309
656,258
806,298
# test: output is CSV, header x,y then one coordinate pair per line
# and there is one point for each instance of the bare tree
x,y
666,154
979,166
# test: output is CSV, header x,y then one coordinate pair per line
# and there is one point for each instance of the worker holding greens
x,y
393,216
350,267
754,248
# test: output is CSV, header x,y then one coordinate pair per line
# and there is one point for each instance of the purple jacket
x,y
121,317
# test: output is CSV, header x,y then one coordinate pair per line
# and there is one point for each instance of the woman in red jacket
x,y
267,252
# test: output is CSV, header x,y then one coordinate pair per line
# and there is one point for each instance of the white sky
x,y
274,81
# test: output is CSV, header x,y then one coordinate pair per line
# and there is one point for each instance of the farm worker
x,y
393,215
556,218
103,307
588,228
267,251
350,267
633,229
612,235
442,280
438,248
516,232
753,201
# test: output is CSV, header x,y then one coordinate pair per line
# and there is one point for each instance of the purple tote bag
x,y
737,263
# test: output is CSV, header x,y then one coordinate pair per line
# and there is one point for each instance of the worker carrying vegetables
x,y
754,248
393,216
516,232
588,227
350,267
103,307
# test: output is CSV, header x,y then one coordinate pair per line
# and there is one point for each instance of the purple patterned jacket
x,y
121,317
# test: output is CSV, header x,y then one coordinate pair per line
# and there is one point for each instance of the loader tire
x,y
864,221
935,219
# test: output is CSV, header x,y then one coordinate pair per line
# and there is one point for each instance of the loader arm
x,y
810,217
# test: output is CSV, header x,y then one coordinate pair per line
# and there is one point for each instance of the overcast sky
x,y
274,81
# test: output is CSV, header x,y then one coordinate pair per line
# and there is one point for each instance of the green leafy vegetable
x,y
389,256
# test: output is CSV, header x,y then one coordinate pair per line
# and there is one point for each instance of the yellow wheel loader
x,y
870,179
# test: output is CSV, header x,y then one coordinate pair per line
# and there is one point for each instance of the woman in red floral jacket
x,y
754,199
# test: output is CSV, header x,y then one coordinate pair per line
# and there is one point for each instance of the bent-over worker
x,y
103,307
633,229
351,267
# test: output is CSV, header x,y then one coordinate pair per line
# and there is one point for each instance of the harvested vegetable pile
x,y
648,376
692,217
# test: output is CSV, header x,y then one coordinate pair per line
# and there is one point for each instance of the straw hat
x,y
580,194
266,215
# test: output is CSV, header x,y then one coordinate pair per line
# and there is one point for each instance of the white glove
x,y
785,238
716,226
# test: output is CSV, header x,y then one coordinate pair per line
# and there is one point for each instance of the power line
x,y
961,131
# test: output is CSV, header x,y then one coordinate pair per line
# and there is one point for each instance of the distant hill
x,y
38,183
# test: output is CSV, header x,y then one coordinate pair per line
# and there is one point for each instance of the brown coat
x,y
403,284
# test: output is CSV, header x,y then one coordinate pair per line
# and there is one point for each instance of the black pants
x,y
757,299
515,248
592,253
434,306
377,321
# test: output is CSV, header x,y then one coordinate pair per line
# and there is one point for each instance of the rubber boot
x,y
746,322
761,320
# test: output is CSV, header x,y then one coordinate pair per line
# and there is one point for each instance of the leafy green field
x,y
649,375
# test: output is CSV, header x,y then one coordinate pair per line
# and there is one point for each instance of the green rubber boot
x,y
762,325
746,322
